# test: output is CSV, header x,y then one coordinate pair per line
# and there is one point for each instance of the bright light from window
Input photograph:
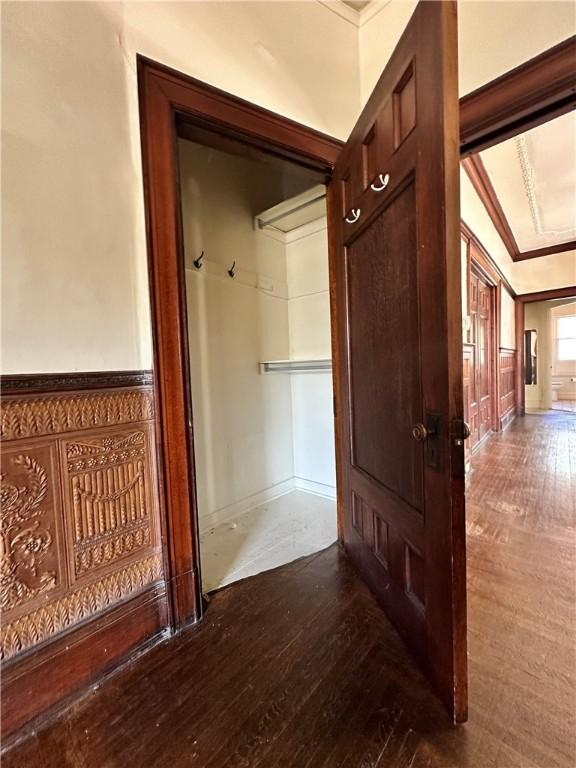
x,y
566,338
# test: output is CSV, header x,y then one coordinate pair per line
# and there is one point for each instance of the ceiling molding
x,y
478,175
357,18
555,293
533,93
547,250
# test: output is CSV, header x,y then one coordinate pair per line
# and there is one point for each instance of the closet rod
x,y
295,366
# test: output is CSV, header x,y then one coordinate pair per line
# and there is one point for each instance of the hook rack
x,y
231,271
198,262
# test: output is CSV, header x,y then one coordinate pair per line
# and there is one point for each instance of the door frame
x,y
172,105
538,90
521,300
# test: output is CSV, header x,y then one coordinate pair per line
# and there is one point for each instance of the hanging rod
x,y
296,366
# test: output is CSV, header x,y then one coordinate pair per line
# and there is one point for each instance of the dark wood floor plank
x,y
299,668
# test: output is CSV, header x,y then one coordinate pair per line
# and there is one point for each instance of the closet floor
x,y
275,533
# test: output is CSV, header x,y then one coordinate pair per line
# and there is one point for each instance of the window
x,y
566,337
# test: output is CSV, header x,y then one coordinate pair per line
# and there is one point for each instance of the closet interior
x,y
256,273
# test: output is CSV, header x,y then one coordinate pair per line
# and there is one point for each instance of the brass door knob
x,y
421,433
465,430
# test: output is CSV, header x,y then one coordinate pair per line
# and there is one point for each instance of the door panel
x,y
383,314
395,262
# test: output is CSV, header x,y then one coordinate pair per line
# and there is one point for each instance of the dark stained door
x,y
395,260
481,405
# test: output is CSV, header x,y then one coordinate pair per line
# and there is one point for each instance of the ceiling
x,y
357,5
534,178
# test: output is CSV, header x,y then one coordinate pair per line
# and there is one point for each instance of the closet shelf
x,y
294,212
296,366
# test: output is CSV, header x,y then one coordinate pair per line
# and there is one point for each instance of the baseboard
x,y
507,419
74,660
224,514
319,489
232,511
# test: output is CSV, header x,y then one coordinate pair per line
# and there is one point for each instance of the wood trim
x,y
487,263
478,175
538,90
546,251
169,99
77,658
25,383
554,293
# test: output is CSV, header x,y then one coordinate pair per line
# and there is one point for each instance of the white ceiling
x,y
357,5
534,176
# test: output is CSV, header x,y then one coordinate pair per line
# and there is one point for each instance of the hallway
x,y
298,667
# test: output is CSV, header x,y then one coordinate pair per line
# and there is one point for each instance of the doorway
x,y
257,296
170,105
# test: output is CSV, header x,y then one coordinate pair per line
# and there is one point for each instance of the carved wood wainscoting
x,y
81,565
507,368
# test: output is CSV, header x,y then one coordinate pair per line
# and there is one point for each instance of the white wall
x,y
309,318
493,37
242,420
74,256
507,320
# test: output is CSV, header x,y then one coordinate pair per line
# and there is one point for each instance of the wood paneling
x,y
80,529
490,372
508,402
299,667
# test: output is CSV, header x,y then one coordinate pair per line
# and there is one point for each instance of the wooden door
x,y
480,408
483,357
395,260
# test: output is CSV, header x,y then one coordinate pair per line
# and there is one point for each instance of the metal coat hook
x,y
231,271
198,262
383,182
355,214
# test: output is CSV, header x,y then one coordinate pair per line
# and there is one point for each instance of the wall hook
x,y
383,182
198,262
231,271
353,216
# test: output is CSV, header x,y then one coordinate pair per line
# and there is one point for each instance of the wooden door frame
x,y
169,100
522,299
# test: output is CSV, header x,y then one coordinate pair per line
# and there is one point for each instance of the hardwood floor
x,y
564,405
298,666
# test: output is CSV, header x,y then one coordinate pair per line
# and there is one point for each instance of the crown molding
x,y
478,175
356,18
568,292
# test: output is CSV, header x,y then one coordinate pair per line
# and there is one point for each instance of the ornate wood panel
x,y
508,358
79,509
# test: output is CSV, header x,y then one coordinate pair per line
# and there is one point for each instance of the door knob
x,y
422,433
465,430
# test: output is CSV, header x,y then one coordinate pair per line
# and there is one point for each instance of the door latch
x,y
429,433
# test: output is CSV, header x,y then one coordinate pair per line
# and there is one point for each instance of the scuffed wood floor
x,y
298,666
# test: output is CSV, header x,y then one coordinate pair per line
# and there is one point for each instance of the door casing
x,y
171,104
